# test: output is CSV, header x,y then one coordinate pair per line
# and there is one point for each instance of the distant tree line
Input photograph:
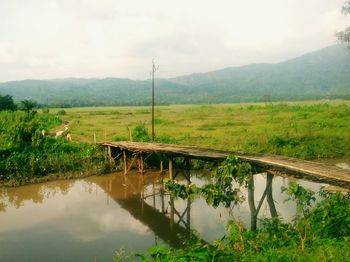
x,y
7,103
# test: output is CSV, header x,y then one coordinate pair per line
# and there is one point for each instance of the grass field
x,y
305,130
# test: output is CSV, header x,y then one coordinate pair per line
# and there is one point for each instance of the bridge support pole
x,y
131,164
269,197
251,201
266,192
141,170
125,162
109,152
172,212
161,167
188,222
171,169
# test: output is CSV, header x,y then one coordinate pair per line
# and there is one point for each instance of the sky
x,y
45,39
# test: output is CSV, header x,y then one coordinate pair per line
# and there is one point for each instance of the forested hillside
x,y
317,75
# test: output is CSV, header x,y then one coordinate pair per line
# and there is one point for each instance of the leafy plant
x,y
222,190
140,133
303,197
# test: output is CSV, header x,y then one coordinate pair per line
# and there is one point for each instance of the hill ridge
x,y
319,74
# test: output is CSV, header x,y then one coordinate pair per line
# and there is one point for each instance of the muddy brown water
x,y
89,219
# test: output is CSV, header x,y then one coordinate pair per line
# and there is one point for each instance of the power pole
x,y
154,69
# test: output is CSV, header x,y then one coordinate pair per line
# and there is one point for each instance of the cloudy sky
x,y
45,39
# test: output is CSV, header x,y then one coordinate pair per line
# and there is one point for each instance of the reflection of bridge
x,y
130,193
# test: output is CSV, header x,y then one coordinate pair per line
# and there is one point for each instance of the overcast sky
x,y
45,39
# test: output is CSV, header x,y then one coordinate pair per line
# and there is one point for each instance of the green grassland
x,y
306,130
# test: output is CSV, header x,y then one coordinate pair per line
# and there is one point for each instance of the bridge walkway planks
x,y
269,163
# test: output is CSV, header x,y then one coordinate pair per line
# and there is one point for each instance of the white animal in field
x,y
65,133
59,134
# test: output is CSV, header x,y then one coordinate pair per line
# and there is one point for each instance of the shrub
x,y
140,133
61,112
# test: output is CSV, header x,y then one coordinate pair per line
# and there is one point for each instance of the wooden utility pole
x,y
154,69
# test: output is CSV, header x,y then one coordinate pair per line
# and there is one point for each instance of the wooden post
x,y
269,197
187,170
251,201
131,164
154,196
141,164
161,167
267,189
125,187
188,222
172,212
110,154
125,163
162,197
171,169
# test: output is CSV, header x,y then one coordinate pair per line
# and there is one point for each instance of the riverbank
x,y
50,178
314,131
29,155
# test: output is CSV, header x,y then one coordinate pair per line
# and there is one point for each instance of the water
x,y
88,219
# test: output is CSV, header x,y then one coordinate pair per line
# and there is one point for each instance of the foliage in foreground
x,y
25,153
319,232
321,235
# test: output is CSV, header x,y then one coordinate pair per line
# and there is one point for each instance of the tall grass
x,y
304,130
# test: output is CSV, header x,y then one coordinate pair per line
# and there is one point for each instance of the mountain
x,y
321,74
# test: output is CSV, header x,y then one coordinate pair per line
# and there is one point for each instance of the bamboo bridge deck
x,y
277,165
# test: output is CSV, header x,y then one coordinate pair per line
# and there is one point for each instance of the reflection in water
x,y
254,212
144,198
10,197
90,218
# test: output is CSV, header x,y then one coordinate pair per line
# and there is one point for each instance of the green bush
x,y
140,133
61,112
25,153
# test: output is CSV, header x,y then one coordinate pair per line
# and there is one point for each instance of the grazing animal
x,y
65,133
59,134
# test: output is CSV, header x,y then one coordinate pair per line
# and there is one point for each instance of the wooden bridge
x,y
276,165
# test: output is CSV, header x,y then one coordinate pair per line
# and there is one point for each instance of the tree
x,y
344,36
6,103
28,105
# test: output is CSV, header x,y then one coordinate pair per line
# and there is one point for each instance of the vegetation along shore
x,y
29,153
